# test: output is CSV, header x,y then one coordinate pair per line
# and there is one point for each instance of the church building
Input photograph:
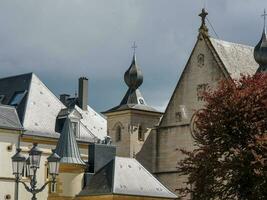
x,y
164,134
141,161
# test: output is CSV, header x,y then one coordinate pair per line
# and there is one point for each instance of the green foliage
x,y
229,160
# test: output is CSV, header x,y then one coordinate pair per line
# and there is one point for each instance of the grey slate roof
x,y
237,58
9,118
39,108
126,176
10,85
67,147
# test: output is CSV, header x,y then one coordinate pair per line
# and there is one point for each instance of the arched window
x,y
118,134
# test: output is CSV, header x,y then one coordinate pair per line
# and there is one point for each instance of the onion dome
x,y
260,51
133,77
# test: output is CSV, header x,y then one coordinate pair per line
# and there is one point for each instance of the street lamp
x,y
32,164
18,163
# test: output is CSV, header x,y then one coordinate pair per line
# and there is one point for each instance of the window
x,y
141,101
17,98
141,134
59,124
200,91
2,98
75,128
201,60
178,116
118,134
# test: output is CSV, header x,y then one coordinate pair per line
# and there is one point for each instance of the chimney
x,y
98,156
63,98
83,93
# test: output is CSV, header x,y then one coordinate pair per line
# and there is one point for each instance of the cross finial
x,y
264,17
203,16
134,47
203,28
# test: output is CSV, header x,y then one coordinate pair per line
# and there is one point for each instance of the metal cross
x,y
134,46
264,17
203,16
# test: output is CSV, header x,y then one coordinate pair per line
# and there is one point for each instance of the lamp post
x,y
31,164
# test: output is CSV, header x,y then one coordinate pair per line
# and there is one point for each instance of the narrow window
x,y
201,60
141,134
75,128
178,116
118,134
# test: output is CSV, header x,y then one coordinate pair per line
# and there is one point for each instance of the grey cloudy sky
x,y
61,40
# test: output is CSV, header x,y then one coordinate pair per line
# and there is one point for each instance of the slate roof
x,y
237,58
10,85
126,176
39,109
67,147
9,118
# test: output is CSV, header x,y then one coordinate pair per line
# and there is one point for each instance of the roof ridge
x,y
234,43
24,74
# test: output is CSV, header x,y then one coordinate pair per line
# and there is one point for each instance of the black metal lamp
x,y
53,163
35,156
32,164
18,163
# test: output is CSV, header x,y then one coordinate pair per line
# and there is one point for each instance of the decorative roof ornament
x,y
133,99
133,77
203,28
67,147
260,51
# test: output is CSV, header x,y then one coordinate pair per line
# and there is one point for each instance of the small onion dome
x,y
133,77
260,51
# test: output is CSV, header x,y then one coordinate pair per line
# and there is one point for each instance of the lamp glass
x,y
18,162
53,163
18,167
53,168
35,156
29,169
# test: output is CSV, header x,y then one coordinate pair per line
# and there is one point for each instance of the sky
x,y
61,41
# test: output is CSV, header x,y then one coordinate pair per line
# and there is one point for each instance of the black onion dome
x,y
133,77
260,51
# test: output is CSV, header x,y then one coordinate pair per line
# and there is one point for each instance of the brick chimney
x,y
83,93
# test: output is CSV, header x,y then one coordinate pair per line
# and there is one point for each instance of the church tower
x,y
260,51
130,123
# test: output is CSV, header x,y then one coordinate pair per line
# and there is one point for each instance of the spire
x,y
260,51
133,98
133,77
203,28
67,147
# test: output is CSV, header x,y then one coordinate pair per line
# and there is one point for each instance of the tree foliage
x,y
229,160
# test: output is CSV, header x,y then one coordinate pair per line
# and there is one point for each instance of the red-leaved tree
x,y
229,160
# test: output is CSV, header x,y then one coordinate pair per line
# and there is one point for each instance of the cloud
x,y
62,40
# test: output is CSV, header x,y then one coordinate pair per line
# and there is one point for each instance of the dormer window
x,y
74,124
17,98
